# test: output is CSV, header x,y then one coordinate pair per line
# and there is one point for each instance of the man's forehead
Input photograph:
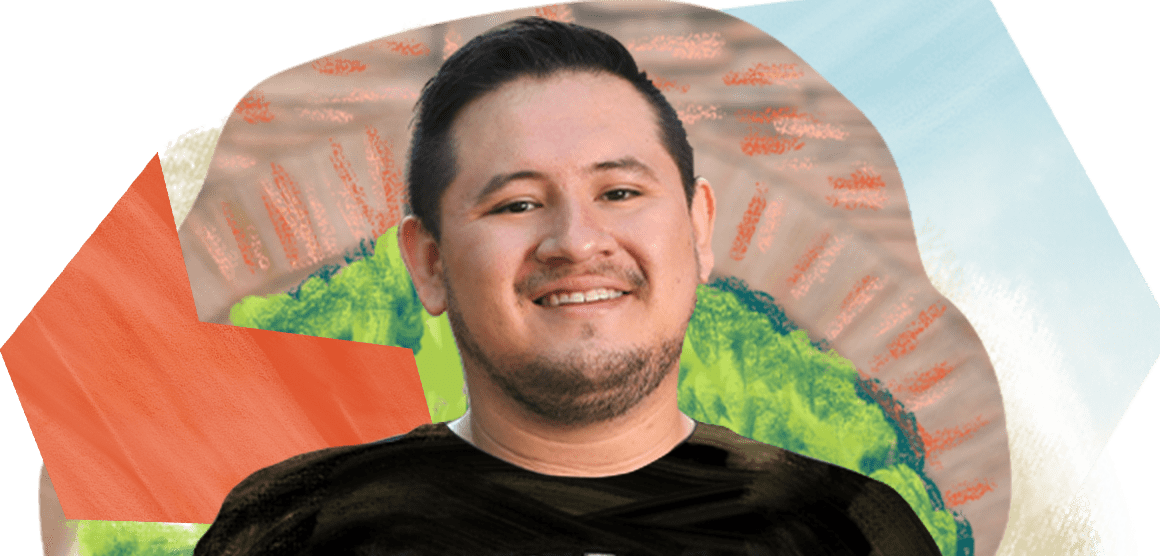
x,y
533,113
517,93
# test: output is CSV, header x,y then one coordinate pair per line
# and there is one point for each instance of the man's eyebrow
x,y
498,181
628,163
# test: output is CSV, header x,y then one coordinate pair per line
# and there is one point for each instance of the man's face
x,y
569,258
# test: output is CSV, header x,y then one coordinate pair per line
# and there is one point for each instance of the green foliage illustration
x,y
131,538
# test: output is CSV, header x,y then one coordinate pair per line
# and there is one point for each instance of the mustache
x,y
537,280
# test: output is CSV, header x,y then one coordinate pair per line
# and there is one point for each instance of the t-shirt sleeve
x,y
273,511
888,522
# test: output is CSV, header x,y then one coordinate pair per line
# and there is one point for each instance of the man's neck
x,y
641,436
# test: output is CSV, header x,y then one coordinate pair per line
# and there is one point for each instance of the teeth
x,y
598,294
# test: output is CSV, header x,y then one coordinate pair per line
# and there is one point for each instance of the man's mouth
x,y
557,299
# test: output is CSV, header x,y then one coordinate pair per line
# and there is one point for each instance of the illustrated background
x,y
95,92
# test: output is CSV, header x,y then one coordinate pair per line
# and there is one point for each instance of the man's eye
x,y
516,207
620,194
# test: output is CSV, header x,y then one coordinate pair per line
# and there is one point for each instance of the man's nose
x,y
576,234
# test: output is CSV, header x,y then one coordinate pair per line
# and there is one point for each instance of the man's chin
x,y
585,388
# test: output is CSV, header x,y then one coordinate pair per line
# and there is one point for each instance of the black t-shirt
x,y
430,492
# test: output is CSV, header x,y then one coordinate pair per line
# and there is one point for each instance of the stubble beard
x,y
582,387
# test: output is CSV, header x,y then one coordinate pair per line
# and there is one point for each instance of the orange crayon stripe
x,y
907,340
967,491
451,42
819,266
863,178
788,121
388,175
556,12
764,74
696,46
325,115
857,299
225,258
944,439
851,200
748,224
249,245
898,313
253,108
690,114
807,259
667,86
338,66
406,47
756,143
770,219
925,380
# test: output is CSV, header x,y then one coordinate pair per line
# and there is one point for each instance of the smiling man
x,y
557,220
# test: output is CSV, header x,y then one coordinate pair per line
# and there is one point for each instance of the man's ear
x,y
420,253
703,212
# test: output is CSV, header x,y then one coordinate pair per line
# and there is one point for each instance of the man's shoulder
x,y
731,450
793,479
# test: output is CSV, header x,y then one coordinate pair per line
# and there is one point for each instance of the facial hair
x,y
581,387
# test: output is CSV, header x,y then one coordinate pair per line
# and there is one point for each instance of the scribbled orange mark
x,y
234,161
765,74
852,200
291,218
358,94
759,143
337,66
556,12
807,259
769,115
451,42
967,491
748,224
862,178
769,222
863,189
387,174
355,209
907,340
665,86
697,46
692,113
789,121
856,300
325,115
925,380
324,231
406,47
254,108
944,439
249,244
815,264
226,259
898,313
932,395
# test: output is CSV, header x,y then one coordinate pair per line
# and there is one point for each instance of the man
x,y
557,220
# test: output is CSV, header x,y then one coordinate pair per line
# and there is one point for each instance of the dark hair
x,y
530,46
